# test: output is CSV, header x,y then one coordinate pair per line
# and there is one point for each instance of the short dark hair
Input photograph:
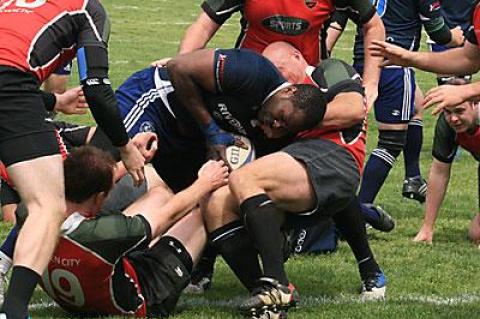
x,y
88,171
312,102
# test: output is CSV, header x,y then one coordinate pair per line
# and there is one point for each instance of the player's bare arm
x,y
345,110
373,30
437,187
190,74
198,33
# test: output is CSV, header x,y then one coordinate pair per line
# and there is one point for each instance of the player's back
x,y
403,25
38,36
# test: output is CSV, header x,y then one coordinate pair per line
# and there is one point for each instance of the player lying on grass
x,y
315,177
456,126
134,262
69,137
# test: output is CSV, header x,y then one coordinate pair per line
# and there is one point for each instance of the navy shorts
x,y
396,95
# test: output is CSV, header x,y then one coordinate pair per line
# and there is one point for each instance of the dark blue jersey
x,y
403,21
457,13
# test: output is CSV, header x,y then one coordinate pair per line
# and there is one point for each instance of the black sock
x,y
352,226
19,292
264,221
206,264
236,248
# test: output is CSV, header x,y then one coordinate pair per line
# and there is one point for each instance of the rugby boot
x,y
270,314
374,287
199,283
415,188
384,223
270,296
3,287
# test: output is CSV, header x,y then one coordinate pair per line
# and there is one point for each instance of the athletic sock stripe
x,y
384,155
416,123
228,232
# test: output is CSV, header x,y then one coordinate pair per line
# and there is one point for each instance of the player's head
x,y
88,173
462,117
292,109
288,60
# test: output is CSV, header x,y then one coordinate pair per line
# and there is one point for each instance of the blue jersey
x,y
458,13
403,21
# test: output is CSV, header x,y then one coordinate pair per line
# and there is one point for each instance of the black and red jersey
x,y
333,77
298,22
446,141
38,36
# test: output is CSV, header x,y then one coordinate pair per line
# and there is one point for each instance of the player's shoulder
x,y
333,71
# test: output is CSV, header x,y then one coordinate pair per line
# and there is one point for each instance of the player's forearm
x,y
437,187
198,34
346,110
373,30
458,61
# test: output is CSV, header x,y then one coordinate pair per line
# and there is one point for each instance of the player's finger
x,y
437,110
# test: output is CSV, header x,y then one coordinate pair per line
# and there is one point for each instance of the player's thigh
x,y
396,96
280,175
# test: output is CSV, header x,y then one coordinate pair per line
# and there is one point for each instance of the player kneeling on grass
x,y
134,262
456,126
315,177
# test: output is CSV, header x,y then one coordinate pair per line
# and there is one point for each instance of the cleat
x,y
200,283
415,188
271,298
385,221
374,287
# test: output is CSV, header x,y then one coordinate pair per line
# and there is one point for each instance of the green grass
x,y
438,281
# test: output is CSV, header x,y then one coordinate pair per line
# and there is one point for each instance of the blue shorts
x,y
146,102
396,95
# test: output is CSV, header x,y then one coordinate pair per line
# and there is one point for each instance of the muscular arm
x,y
345,110
190,74
437,187
373,31
198,34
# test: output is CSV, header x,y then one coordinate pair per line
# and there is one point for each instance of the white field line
x,y
313,301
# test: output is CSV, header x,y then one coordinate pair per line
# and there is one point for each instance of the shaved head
x,y
288,60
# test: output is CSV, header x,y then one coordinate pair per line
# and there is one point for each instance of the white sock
x,y
5,263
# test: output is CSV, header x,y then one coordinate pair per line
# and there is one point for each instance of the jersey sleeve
x,y
359,11
334,76
244,73
444,144
114,234
221,10
432,19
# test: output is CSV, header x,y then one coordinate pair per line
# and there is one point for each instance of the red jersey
x,y
298,22
80,277
353,139
476,25
38,36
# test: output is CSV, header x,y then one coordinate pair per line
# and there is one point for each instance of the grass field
x,y
437,281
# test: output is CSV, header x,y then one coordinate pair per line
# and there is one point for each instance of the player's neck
x,y
86,208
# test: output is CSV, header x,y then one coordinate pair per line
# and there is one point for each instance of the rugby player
x,y
462,60
323,166
131,263
51,33
394,109
456,126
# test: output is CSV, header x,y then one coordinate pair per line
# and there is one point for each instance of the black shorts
x,y
333,173
24,134
163,272
8,195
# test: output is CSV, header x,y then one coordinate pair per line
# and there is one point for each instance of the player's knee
x,y
239,182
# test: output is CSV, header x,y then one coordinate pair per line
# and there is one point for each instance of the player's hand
x,y
214,174
147,144
393,55
443,96
71,101
457,37
160,63
425,234
217,141
134,162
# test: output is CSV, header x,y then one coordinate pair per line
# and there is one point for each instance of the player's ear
x,y
100,198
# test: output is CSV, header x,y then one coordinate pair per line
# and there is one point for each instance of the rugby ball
x,y
238,156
